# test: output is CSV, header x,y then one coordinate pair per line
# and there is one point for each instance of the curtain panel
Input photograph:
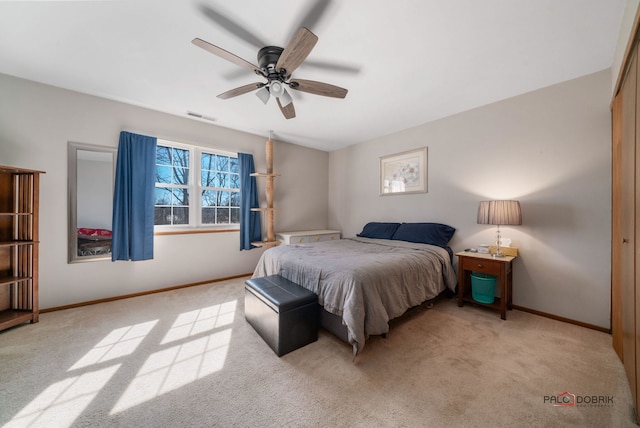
x,y
250,226
133,199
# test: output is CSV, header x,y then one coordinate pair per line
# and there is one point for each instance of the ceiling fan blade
x,y
232,27
312,14
226,55
318,88
296,51
288,111
240,90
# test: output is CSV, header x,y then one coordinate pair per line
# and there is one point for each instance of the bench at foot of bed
x,y
283,313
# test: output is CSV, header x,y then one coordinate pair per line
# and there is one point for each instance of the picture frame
x,y
404,173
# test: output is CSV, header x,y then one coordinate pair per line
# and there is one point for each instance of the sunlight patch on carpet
x,y
63,401
201,321
175,367
199,353
117,344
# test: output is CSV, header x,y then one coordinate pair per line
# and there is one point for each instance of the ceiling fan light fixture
x,y
276,88
263,94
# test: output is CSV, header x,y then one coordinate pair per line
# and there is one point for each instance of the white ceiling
x,y
404,62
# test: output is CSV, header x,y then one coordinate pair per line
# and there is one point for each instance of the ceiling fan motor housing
x,y
267,60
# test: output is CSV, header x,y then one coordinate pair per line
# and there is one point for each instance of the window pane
x,y
181,176
209,198
223,199
222,215
180,197
234,181
235,199
222,180
235,215
207,161
206,179
181,215
162,215
233,165
208,215
163,174
180,157
163,155
163,196
222,163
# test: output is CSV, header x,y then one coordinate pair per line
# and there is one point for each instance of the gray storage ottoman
x,y
283,313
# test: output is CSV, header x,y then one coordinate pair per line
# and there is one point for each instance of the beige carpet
x,y
187,358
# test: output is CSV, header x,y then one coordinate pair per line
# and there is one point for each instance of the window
x,y
220,181
196,187
172,185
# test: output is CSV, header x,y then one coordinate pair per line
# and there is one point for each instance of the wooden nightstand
x,y
499,267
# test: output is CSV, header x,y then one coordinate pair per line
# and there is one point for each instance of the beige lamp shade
x,y
500,213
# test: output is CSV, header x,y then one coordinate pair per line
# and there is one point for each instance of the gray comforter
x,y
365,281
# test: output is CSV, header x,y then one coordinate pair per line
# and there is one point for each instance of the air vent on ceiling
x,y
201,116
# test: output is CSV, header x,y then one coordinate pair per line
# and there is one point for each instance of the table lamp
x,y
505,213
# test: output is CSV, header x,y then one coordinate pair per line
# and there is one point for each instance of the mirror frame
x,y
72,195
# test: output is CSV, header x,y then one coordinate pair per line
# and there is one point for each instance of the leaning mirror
x,y
91,180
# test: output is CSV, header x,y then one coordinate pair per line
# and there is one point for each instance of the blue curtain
x,y
250,228
133,199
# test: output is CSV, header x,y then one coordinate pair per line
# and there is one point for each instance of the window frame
x,y
196,188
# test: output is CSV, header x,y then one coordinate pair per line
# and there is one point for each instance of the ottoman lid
x,y
280,293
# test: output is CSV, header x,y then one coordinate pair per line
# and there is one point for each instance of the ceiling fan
x,y
275,64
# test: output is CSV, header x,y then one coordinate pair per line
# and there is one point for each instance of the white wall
x,y
550,149
36,123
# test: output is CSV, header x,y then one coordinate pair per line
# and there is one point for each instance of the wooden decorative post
x,y
269,192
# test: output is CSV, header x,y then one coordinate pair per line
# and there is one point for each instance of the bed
x,y
93,242
365,281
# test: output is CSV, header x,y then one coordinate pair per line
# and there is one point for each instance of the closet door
x,y
627,224
634,213
616,229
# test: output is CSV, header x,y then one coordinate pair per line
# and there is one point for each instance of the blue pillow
x,y
379,230
425,233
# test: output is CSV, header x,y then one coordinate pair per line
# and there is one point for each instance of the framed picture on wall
x,y
404,173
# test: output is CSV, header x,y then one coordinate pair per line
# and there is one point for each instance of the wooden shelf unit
x,y
19,246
